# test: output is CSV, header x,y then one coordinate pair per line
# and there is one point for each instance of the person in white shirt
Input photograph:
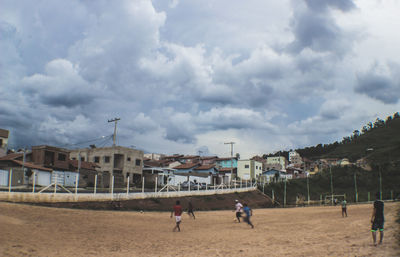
x,y
238,210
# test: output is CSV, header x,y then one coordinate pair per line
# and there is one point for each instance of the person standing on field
x,y
238,210
377,218
344,208
190,209
177,211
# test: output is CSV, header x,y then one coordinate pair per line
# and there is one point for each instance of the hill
x,y
379,142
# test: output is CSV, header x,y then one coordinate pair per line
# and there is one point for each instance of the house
x,y
249,169
226,162
190,159
205,160
274,176
296,172
186,167
87,172
22,171
154,156
260,159
3,141
50,157
277,160
120,162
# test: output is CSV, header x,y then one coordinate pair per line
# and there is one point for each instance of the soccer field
x,y
313,231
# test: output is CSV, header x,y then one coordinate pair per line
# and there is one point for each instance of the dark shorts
x,y
344,209
238,214
247,219
377,225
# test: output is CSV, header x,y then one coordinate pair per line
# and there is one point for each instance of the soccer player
x,y
190,209
177,211
377,218
344,208
238,210
249,212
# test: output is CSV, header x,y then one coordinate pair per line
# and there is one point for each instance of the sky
x,y
190,75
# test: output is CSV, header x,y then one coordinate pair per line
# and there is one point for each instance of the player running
x,y
249,212
377,218
238,210
178,215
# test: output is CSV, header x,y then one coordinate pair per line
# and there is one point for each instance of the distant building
x,y
260,159
226,162
116,161
3,141
153,156
277,160
249,169
293,154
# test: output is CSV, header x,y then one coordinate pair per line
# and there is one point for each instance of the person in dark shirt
x,y
377,218
190,209
177,211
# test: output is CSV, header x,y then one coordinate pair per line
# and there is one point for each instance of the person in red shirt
x,y
178,215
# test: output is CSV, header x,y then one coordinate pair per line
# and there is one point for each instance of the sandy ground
x,y
315,231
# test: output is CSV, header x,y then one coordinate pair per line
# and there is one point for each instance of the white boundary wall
x,y
85,197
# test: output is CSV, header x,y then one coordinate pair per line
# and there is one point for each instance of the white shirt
x,y
238,207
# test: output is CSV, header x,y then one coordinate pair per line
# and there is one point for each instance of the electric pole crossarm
x,y
115,120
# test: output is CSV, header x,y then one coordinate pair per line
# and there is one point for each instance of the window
x,y
96,159
82,159
138,162
128,159
246,166
106,159
73,158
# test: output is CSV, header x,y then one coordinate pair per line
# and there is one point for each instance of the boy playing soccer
x,y
249,212
177,211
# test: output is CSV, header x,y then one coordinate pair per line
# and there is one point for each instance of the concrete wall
x,y
64,197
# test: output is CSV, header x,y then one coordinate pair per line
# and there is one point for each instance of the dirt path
x,y
315,231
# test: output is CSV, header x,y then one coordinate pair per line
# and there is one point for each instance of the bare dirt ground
x,y
313,231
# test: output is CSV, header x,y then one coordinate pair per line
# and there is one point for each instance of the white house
x,y
249,169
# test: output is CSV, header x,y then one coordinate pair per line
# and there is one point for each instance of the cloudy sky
x,y
189,75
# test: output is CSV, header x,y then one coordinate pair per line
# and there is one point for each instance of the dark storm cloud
x,y
383,88
315,28
321,5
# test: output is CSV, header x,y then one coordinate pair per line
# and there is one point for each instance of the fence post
x,y
284,196
55,182
143,185
308,191
112,187
273,196
34,182
241,182
155,186
127,187
10,180
95,184
76,183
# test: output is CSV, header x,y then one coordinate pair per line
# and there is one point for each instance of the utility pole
x,y
115,120
231,143
330,171
200,152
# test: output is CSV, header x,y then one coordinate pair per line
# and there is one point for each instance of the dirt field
x,y
315,231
